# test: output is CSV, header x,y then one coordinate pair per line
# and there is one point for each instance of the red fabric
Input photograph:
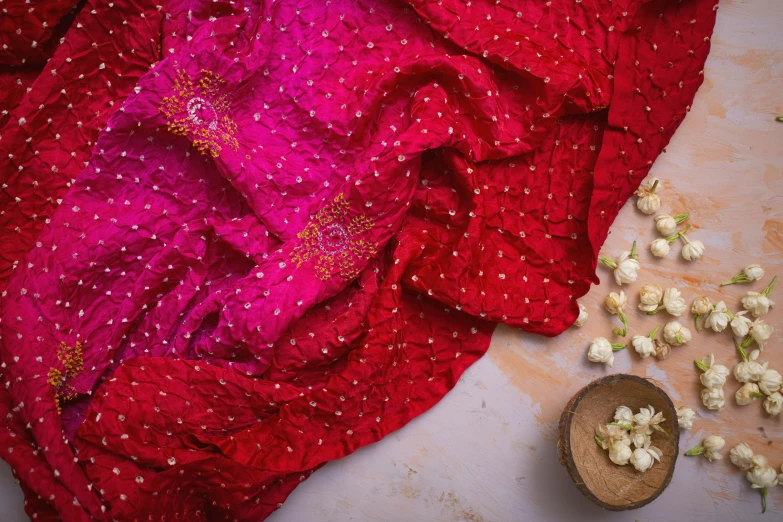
x,y
29,34
501,141
28,30
47,137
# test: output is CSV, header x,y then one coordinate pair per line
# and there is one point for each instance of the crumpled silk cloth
x,y
242,239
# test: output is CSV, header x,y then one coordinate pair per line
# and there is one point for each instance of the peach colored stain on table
x,y
487,452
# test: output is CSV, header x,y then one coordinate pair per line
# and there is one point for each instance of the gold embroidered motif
x,y
73,363
200,111
330,241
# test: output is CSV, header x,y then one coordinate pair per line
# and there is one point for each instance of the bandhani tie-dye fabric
x,y
243,239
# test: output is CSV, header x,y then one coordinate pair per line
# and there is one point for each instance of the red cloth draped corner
x,y
243,239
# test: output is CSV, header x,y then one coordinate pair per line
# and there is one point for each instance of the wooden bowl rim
x,y
565,439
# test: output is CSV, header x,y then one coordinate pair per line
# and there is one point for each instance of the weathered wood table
x,y
487,451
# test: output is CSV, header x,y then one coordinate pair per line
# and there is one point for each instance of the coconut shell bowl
x,y
614,487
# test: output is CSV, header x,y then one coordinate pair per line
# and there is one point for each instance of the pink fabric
x,y
300,227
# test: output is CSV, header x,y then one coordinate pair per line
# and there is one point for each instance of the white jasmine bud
x,y
747,393
673,302
643,458
647,200
759,303
660,247
610,434
650,297
667,225
741,455
773,404
747,275
759,461
710,448
714,375
740,324
718,319
693,249
756,303
648,420
644,345
713,398
760,332
620,453
700,306
626,268
770,382
623,415
748,370
602,351
615,304
639,439
762,478
676,334
685,418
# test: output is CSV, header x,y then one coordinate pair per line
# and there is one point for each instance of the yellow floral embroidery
x,y
330,241
73,362
200,111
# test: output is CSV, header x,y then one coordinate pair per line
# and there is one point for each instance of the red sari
x,y
299,224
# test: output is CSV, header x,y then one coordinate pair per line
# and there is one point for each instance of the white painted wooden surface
x,y
487,451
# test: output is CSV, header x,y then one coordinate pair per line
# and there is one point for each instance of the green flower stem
x,y
697,321
742,353
608,262
653,312
747,341
768,289
633,254
729,314
757,395
680,218
671,239
616,347
599,441
659,428
741,277
701,366
763,500
697,450
654,332
654,186
683,231
779,118
624,331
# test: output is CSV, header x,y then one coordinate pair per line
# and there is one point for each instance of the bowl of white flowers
x,y
619,441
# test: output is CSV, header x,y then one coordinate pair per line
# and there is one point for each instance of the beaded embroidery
x,y
201,112
330,241
73,362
